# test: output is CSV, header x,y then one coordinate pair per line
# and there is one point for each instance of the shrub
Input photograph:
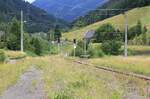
x,y
30,53
78,51
95,52
40,46
2,56
111,47
107,32
53,49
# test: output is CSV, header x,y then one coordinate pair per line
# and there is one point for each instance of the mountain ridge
x,y
37,19
68,9
98,14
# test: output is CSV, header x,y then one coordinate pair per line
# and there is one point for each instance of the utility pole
x,y
126,35
22,31
75,46
85,46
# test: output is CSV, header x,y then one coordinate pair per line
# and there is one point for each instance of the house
x,y
89,35
1,34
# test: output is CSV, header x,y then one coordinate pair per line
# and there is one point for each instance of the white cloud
x,y
30,1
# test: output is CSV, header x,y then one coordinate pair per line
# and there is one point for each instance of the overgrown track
x,y
143,77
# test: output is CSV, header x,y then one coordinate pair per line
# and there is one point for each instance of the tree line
x,y
98,15
11,38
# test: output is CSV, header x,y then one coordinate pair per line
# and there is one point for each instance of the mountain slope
x,y
37,19
68,9
134,15
98,14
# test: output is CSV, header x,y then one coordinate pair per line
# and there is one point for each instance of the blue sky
x,y
30,1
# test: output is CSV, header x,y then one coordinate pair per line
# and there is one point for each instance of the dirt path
x,y
30,86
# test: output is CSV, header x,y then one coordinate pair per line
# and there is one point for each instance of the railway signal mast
x,y
126,35
22,49
75,46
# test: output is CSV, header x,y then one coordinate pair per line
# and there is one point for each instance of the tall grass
x,y
118,21
136,64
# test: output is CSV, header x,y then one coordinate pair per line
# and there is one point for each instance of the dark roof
x,y
89,34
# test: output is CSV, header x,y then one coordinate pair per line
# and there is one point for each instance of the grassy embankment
x,y
137,62
134,15
64,78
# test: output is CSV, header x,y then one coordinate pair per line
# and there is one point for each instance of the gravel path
x,y
30,86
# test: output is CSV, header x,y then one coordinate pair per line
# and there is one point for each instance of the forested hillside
x,y
98,14
36,19
68,9
134,15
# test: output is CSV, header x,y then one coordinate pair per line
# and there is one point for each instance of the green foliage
x,y
138,35
37,19
2,56
78,51
145,36
116,95
106,32
51,35
30,53
13,41
38,47
111,47
27,42
53,49
57,32
98,15
95,52
63,95
135,30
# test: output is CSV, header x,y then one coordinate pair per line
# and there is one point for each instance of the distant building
x,y
1,33
89,35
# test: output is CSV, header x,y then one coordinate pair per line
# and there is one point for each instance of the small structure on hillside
x,y
89,35
1,33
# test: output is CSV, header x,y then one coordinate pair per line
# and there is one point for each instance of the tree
x,y
111,47
144,36
4,29
27,40
13,42
57,34
37,46
51,35
135,30
106,32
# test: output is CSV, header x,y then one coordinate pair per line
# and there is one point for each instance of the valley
x,y
81,49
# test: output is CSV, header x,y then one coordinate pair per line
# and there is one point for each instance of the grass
x,y
139,50
136,64
64,79
67,80
118,21
9,73
15,54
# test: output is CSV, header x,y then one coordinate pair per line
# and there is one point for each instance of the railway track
x,y
131,74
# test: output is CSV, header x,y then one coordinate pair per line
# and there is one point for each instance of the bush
x,y
111,47
95,52
2,56
40,46
30,53
53,49
107,32
78,51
